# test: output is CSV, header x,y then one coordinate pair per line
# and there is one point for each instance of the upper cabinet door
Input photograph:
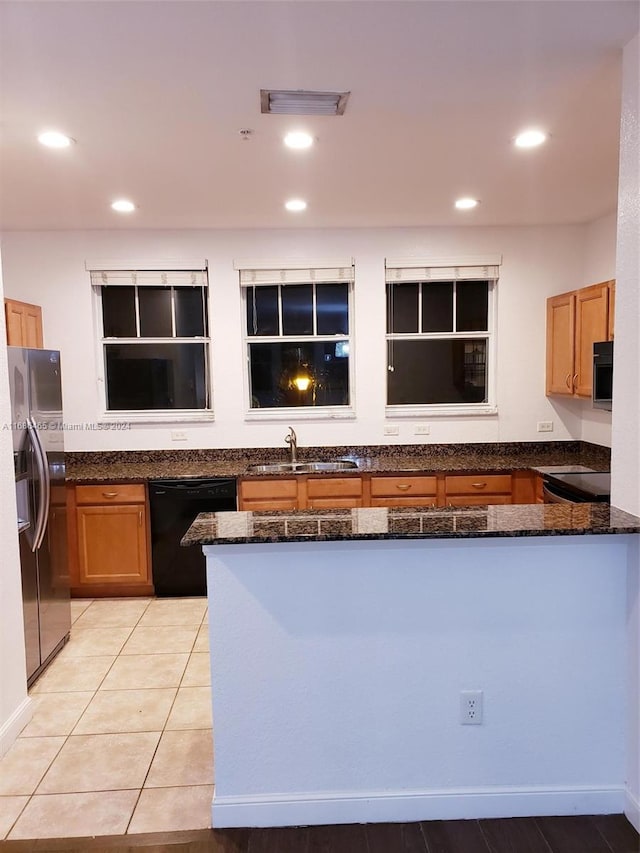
x,y
24,324
561,313
592,324
612,307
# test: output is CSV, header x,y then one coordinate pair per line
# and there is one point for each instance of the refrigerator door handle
x,y
45,484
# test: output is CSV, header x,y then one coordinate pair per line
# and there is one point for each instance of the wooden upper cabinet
x,y
592,325
24,324
575,321
612,309
561,320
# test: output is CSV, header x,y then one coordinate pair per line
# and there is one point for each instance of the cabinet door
x,y
592,324
560,343
278,493
112,544
24,324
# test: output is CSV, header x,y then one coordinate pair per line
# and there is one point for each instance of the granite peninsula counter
x,y
342,640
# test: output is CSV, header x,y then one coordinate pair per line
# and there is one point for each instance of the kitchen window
x,y
440,338
298,340
153,329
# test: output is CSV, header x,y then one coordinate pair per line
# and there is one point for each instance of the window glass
x,y
437,306
156,376
472,306
119,312
402,315
155,312
190,320
332,309
298,374
432,371
297,309
262,310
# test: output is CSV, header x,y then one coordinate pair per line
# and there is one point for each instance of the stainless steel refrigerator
x,y
38,455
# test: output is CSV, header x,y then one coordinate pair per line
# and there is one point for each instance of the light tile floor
x,y
120,740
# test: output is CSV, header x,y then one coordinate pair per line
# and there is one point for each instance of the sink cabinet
x,y
335,492
276,493
404,491
109,540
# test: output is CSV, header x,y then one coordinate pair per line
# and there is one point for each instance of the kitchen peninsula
x,y
342,641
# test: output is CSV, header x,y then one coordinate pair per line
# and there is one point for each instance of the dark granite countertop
x,y
137,466
413,523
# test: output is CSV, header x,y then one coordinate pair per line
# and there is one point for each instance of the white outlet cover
x,y
392,429
471,707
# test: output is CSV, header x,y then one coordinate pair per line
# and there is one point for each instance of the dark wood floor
x,y
601,834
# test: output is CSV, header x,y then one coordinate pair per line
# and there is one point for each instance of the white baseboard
x,y
632,809
10,730
405,806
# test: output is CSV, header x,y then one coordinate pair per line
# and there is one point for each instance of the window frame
x,y
297,413
423,410
141,416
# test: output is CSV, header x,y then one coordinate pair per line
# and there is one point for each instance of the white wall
x,y
625,458
14,704
354,668
48,268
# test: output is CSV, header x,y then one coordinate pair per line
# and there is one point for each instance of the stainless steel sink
x,y
302,467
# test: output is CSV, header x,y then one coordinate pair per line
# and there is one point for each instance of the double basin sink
x,y
302,467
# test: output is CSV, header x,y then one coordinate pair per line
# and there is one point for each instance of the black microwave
x,y
603,375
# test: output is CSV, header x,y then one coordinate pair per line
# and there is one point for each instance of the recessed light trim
x,y
530,138
123,205
466,203
55,139
298,139
295,205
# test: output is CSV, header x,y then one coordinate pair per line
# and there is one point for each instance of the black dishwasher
x,y
174,505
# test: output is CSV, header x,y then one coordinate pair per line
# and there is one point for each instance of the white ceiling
x,y
155,94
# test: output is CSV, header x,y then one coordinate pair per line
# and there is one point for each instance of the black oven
x,y
577,487
603,375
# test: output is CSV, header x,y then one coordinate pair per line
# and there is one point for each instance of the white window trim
x,y
490,407
298,413
137,416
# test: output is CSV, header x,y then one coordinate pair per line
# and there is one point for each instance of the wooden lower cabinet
x,y
277,493
404,491
110,534
334,492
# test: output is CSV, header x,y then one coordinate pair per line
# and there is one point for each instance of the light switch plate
x,y
392,429
545,426
421,429
178,435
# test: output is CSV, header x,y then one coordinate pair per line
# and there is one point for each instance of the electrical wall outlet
x,y
545,426
471,707
421,429
178,435
391,429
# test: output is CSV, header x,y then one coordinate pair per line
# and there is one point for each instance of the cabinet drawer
x,y
341,487
402,486
478,500
477,484
418,500
269,504
265,489
109,494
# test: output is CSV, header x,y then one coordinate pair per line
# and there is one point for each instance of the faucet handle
x,y
292,436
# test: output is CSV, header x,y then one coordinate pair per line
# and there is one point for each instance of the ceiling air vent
x,y
299,102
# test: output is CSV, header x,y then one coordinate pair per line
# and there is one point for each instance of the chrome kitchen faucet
x,y
292,441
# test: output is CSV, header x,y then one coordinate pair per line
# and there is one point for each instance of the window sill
x,y
461,410
300,414
110,419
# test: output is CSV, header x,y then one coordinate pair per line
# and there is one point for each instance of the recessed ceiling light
x,y
296,205
530,138
55,139
466,203
298,139
123,205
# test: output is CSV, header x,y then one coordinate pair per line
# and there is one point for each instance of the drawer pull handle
x,y
568,381
140,518
404,487
109,494
478,485
575,378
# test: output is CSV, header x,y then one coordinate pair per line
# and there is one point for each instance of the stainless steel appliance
x,y
174,505
38,454
603,375
577,487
